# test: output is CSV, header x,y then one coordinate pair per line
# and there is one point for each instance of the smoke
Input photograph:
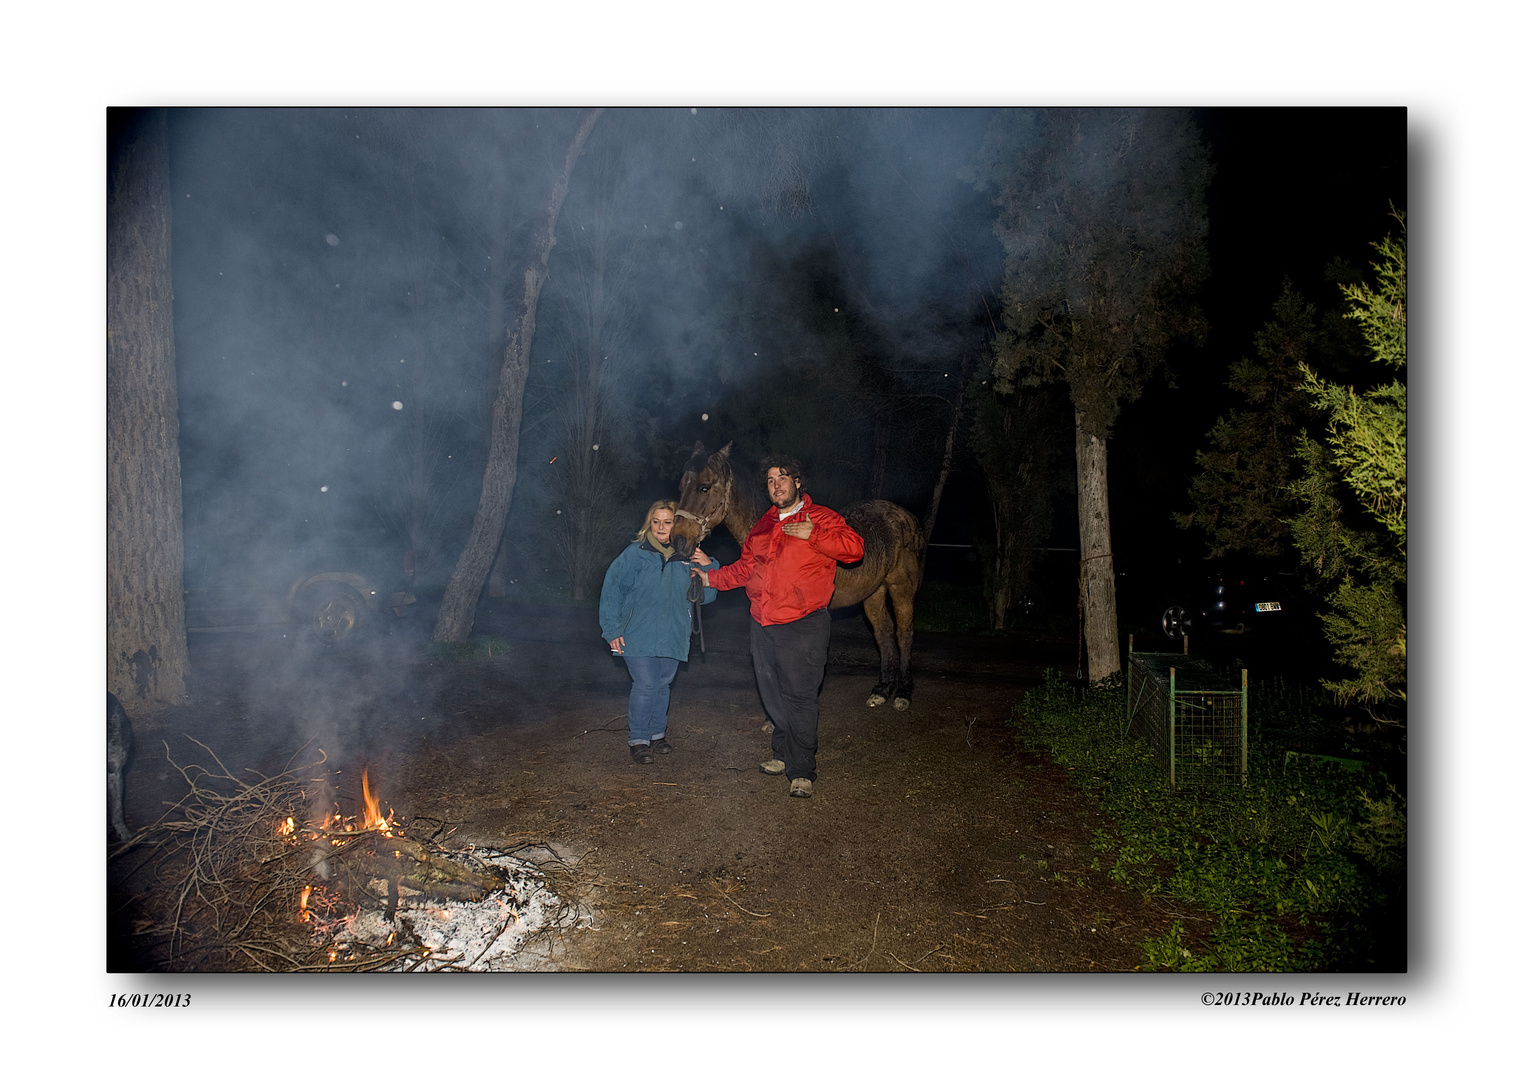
x,y
343,278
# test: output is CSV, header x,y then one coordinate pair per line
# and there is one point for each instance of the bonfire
x,y
267,873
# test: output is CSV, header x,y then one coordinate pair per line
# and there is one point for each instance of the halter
x,y
702,522
722,510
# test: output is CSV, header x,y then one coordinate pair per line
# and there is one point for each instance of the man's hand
x,y
801,529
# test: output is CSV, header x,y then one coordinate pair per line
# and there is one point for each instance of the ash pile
x,y
248,872
501,930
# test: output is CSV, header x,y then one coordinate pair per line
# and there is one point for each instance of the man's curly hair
x,y
787,462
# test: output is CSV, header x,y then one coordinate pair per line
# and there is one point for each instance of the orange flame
x,y
372,817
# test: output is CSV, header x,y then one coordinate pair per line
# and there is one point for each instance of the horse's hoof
x,y
901,703
874,700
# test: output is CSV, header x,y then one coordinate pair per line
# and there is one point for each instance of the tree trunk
x,y
147,654
929,525
459,603
1000,592
1100,628
499,323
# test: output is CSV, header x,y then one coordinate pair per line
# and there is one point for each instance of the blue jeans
x,y
651,682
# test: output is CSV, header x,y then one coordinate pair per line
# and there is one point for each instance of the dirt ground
x,y
932,842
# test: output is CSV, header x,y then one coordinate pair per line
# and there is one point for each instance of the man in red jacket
x,y
788,565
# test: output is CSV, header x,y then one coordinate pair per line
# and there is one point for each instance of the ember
x,y
351,893
459,935
420,906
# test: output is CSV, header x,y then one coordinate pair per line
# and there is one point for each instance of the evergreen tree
x,y
1240,495
1354,490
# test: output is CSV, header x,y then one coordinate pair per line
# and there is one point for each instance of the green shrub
x,y
1296,866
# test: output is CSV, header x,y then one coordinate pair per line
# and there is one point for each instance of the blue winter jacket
x,y
645,600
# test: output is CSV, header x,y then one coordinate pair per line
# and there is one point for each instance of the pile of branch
x,y
234,856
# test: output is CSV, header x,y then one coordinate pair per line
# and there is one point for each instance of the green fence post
x,y
1172,727
1245,736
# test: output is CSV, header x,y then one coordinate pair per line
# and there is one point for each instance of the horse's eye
x,y
703,488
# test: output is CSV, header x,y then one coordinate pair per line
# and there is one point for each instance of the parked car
x,y
1189,599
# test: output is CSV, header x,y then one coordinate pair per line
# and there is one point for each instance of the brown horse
x,y
889,570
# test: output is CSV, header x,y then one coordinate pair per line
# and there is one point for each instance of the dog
x,y
118,743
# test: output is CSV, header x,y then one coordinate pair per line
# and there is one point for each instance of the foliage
x,y
1240,495
1103,223
1381,836
1354,490
1282,864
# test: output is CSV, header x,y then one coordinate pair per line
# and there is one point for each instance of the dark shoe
x,y
641,754
799,788
660,746
773,767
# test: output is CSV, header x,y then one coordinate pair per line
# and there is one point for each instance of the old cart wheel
x,y
330,614
1177,622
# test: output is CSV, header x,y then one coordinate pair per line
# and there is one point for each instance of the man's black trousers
x,y
790,663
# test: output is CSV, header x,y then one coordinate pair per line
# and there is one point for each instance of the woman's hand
x,y
618,646
701,558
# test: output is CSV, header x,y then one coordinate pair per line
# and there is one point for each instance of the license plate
x,y
1269,605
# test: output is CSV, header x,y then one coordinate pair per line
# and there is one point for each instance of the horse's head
x,y
704,498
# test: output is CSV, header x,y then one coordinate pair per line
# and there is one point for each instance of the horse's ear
x,y
725,451
698,448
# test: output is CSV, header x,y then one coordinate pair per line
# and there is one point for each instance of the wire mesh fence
x,y
1191,716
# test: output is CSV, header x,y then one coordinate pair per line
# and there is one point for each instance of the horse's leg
x,y
875,607
902,583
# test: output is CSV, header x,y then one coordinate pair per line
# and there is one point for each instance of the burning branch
x,y
250,880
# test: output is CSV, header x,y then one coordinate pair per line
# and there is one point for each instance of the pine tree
x,y
1353,529
1240,495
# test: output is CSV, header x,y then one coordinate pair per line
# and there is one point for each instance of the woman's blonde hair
x,y
646,522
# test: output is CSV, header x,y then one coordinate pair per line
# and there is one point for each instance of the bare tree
x,y
460,601
147,654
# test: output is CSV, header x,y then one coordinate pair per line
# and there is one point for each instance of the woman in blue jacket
x,y
645,614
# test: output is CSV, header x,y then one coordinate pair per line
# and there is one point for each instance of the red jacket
x,y
787,578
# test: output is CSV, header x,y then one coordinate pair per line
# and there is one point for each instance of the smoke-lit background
x,y
342,278
805,280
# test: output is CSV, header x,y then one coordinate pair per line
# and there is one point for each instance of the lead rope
x,y
696,597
